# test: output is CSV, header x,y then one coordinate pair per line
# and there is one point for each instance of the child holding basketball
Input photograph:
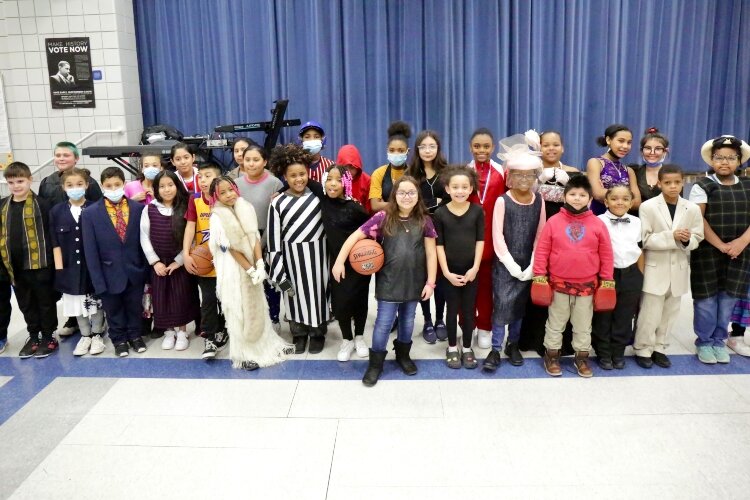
x,y
197,234
162,229
460,244
341,217
240,272
408,275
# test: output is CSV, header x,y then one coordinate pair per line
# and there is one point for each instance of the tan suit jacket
x,y
667,260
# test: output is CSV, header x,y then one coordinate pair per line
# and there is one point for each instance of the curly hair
x,y
287,154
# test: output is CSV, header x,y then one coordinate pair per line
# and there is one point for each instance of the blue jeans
x,y
711,318
498,333
384,322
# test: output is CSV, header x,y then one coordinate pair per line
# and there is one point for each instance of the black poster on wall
x,y
71,84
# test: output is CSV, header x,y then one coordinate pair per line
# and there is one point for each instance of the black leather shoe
x,y
300,343
644,362
316,344
660,359
604,362
513,353
492,361
618,362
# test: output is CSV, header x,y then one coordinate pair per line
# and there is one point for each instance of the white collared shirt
x,y
625,237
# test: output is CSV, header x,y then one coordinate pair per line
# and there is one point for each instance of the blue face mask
x,y
150,173
75,194
114,195
313,147
397,159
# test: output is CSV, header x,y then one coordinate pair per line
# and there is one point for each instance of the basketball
x,y
204,261
366,257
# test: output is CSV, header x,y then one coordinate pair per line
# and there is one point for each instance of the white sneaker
x,y
82,347
359,344
738,345
97,345
169,341
484,339
346,350
182,341
66,331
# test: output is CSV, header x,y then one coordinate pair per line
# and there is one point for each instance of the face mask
x,y
150,173
115,195
397,159
313,147
75,194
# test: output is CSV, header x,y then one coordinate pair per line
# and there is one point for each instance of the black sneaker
x,y
221,340
618,362
138,345
492,361
644,362
46,347
316,344
249,365
29,348
157,333
513,353
122,350
209,350
605,363
660,359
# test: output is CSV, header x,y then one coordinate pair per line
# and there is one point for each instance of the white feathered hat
x,y
521,151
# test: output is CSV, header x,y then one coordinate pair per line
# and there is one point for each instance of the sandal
x,y
452,359
468,359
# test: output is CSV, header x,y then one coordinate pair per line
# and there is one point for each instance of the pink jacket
x,y
574,248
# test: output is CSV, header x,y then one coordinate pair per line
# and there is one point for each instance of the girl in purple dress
x,y
175,298
607,170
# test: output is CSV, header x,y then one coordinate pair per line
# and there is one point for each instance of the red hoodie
x,y
349,155
574,248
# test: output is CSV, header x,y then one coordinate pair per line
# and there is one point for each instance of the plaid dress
x,y
728,214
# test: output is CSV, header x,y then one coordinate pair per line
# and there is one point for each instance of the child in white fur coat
x,y
235,245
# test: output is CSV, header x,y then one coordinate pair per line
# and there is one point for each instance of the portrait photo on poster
x,y
70,80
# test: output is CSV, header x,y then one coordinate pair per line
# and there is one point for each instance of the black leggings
x,y
345,323
463,299
440,298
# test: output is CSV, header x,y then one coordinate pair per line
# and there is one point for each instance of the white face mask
x,y
114,195
313,147
397,159
150,173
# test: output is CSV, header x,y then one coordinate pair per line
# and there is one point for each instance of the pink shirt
x,y
132,188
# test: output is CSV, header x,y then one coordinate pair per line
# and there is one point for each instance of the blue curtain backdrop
x,y
452,65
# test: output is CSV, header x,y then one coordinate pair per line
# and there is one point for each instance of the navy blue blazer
x,y
113,264
67,234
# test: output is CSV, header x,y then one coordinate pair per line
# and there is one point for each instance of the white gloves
x,y
560,175
260,272
527,273
513,268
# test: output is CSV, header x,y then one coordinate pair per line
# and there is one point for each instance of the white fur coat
x,y
251,335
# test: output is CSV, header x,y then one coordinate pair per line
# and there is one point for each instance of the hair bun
x,y
399,128
652,130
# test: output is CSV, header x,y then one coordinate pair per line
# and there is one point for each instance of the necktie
x,y
624,220
120,224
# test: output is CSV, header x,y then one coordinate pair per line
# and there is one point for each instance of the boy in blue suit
x,y
111,242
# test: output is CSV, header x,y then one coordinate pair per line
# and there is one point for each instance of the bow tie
x,y
624,220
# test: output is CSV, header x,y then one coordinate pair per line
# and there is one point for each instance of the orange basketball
x,y
204,261
366,257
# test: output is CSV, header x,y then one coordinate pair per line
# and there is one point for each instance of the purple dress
x,y
613,173
175,297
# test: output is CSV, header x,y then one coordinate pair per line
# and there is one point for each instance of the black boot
x,y
374,368
402,357
317,339
299,336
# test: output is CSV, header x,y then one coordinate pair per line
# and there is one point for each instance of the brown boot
x,y
582,365
552,362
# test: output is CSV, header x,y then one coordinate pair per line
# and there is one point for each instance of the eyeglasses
x,y
722,159
529,177
427,147
406,194
657,150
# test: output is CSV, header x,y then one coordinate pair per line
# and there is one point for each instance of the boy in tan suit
x,y
671,227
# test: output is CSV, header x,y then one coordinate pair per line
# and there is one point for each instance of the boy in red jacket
x,y
574,250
